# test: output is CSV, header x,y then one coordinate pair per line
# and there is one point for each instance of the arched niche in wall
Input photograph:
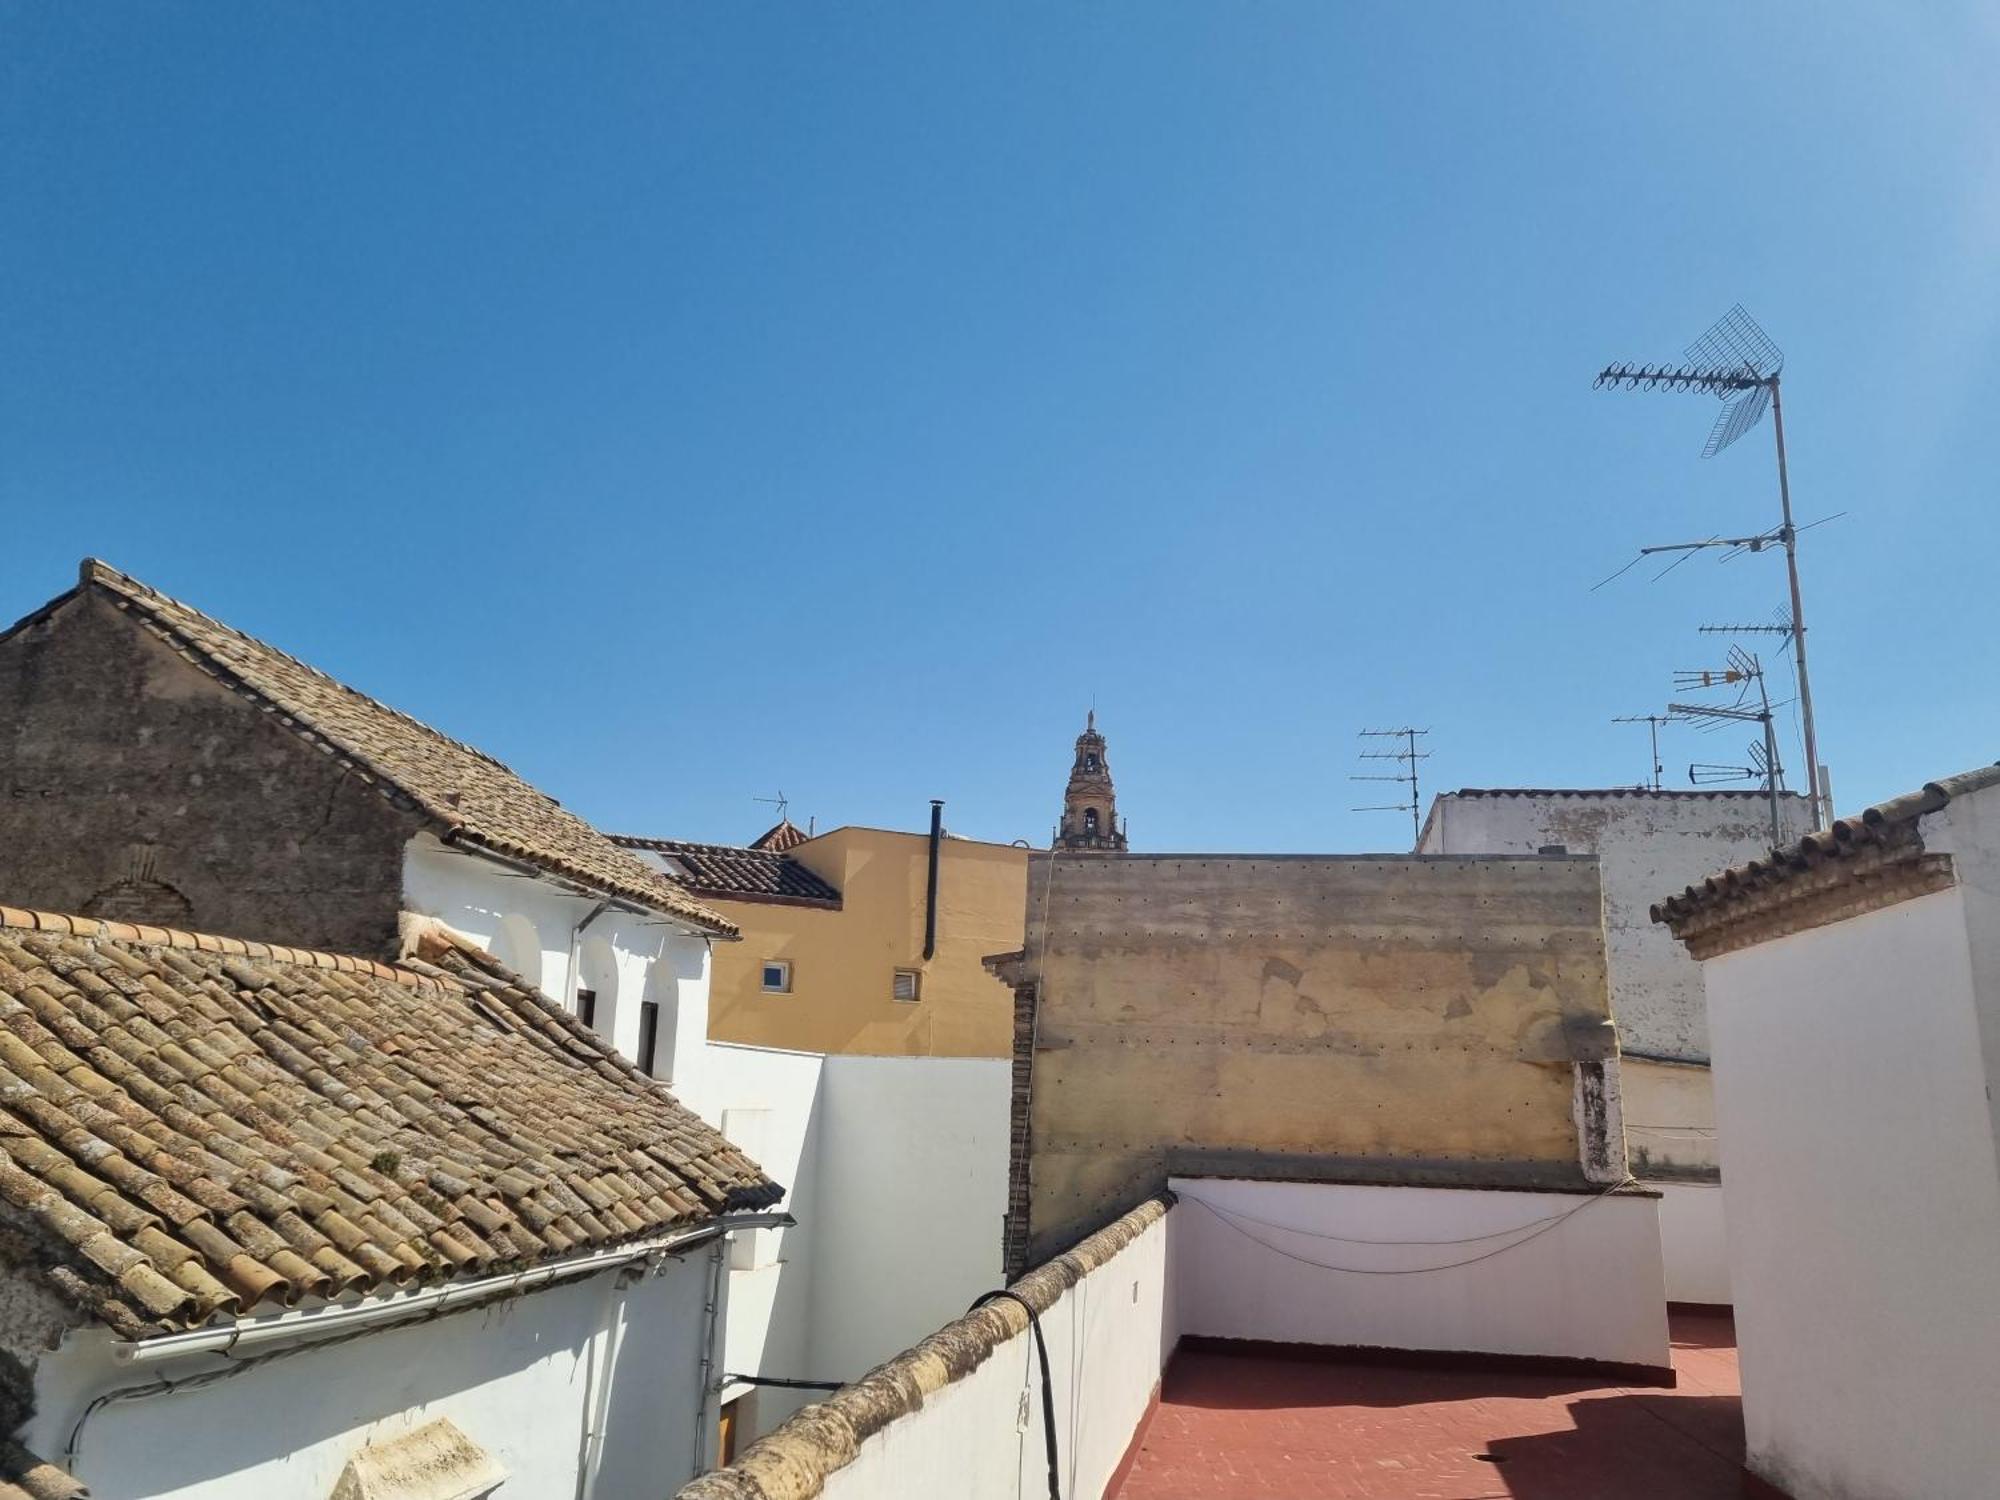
x,y
597,971
517,945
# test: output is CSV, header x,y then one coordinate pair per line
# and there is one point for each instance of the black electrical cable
x,y
788,1384
1048,1385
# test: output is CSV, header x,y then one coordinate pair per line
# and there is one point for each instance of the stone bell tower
x,y
1090,807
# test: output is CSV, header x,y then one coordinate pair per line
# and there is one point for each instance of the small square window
x,y
777,976
907,985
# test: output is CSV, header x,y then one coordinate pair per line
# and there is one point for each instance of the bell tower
x,y
1090,807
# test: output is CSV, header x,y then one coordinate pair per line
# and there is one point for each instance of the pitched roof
x,y
726,873
474,799
1880,845
192,1127
781,836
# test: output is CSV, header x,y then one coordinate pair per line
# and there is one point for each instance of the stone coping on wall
x,y
794,1460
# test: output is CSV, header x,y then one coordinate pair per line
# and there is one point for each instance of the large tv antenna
x,y
1751,705
1407,757
780,802
1652,722
1736,361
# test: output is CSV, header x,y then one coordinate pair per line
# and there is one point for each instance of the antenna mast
x,y
1652,722
1743,671
1407,757
1737,362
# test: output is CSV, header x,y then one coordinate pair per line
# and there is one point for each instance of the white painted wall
x,y
1647,845
1590,1287
1108,1338
914,1154
626,957
878,1154
526,1378
1863,1194
1693,1242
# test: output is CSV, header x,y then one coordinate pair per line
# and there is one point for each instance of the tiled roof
x,y
473,797
192,1127
781,836
1850,844
727,873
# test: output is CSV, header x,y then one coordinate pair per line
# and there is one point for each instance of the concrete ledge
x,y
794,1461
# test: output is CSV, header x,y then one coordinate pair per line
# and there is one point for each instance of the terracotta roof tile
x,y
725,872
196,1133
781,837
1885,826
471,796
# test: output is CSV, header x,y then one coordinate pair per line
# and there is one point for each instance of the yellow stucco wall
x,y
843,961
1399,1019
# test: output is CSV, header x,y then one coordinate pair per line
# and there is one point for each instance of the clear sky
x,y
685,402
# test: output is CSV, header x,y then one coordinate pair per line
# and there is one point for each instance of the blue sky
x,y
687,402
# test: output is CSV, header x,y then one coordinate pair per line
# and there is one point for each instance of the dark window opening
x,y
586,1007
1090,763
1090,820
649,1034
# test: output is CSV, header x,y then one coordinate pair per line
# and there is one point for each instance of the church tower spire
x,y
1090,806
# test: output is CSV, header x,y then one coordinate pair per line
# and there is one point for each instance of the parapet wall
x,y
1435,1020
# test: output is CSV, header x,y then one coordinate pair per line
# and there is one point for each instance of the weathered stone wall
x,y
1377,1019
136,787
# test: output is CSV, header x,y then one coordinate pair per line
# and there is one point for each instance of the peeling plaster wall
x,y
1646,846
1398,1019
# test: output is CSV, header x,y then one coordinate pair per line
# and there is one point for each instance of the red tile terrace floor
x,y
1252,1425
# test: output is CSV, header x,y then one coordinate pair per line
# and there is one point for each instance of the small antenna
x,y
1652,722
778,802
1408,757
1744,672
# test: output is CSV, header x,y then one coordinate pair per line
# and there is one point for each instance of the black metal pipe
x,y
930,897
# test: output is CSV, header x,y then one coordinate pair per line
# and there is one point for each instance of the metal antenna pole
x,y
1408,757
1822,814
1736,361
1652,722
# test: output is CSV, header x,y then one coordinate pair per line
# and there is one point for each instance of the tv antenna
x,y
1407,757
1752,705
1736,361
780,802
1652,722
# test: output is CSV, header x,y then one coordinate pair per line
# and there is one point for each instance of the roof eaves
x,y
1856,848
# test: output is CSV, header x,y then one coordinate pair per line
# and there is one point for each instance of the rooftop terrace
x,y
1249,1424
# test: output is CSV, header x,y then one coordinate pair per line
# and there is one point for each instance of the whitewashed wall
x,y
528,1379
531,925
1694,1243
878,1154
1108,1339
1589,1287
914,1154
1863,1194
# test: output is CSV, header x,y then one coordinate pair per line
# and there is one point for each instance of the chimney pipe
x,y
930,898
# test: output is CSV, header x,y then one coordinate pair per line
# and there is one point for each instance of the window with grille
x,y
907,985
